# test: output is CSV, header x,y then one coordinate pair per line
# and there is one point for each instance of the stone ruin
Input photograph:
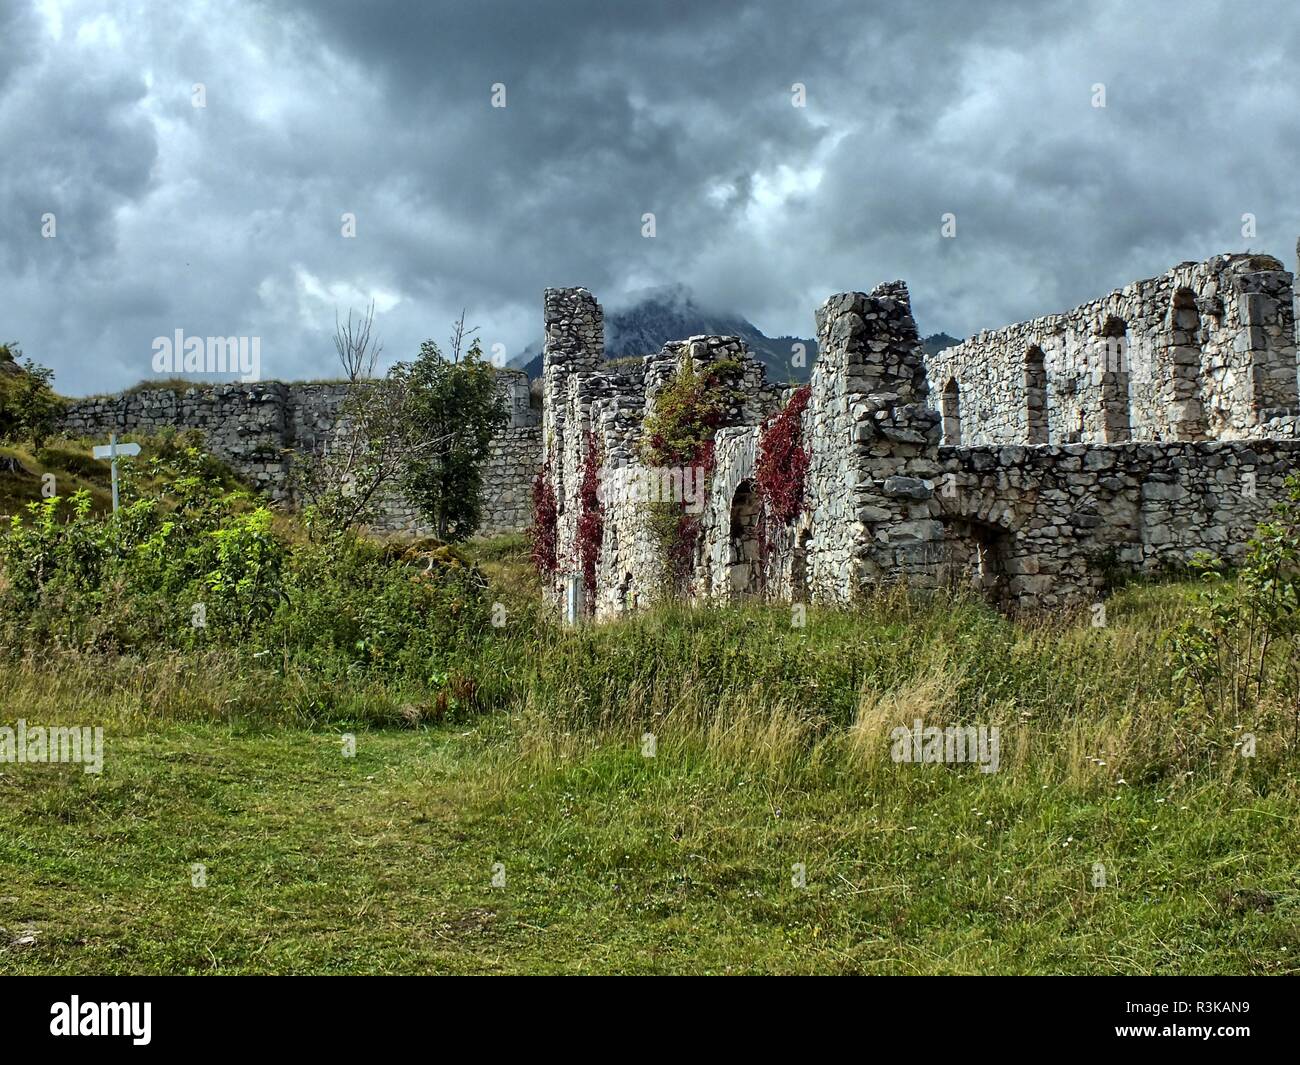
x,y
1032,462
257,428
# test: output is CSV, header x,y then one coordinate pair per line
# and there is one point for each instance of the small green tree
x,y
29,408
343,481
452,410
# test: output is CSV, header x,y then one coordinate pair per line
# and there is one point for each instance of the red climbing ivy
x,y
543,533
677,529
781,472
783,461
591,519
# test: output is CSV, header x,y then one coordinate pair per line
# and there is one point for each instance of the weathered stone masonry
x,y
1129,433
1030,461
1206,351
253,427
585,403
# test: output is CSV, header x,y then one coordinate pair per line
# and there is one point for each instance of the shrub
x,y
132,582
451,410
29,408
679,433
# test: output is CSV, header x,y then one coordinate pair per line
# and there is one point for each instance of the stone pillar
x,y
575,346
1266,333
875,447
575,342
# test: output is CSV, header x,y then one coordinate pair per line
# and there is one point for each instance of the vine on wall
x,y
781,472
678,434
591,519
543,532
783,461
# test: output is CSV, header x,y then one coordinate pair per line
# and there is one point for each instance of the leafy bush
x,y
29,408
453,409
188,564
679,433
686,415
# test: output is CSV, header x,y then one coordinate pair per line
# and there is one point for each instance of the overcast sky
x,y
226,219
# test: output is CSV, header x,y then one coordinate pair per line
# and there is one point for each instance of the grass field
x,y
772,752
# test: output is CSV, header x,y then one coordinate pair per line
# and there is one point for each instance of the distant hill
x,y
671,313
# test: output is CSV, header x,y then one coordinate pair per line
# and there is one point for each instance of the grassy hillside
x,y
23,468
765,829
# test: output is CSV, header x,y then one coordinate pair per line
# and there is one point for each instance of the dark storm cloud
x,y
226,219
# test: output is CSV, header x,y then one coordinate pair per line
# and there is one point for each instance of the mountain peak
x,y
673,294
644,320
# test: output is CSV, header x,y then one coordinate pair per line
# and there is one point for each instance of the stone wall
x,y
1176,445
574,345
1206,351
873,439
1042,527
513,464
249,426
588,405
257,427
874,444
1126,434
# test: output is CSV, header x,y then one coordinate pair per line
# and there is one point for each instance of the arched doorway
x,y
743,553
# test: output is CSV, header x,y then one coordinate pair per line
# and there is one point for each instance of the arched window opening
x,y
1116,404
1036,395
1186,403
951,412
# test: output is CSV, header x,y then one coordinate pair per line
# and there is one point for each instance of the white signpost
x,y
111,451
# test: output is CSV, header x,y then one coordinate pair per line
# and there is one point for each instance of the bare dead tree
x,y
357,350
459,335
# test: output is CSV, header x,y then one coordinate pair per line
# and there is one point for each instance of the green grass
x,y
522,745
21,472
772,751
383,863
